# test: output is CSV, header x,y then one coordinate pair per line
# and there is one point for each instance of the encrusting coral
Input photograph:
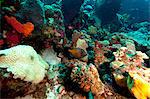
x,y
54,18
56,88
24,62
92,29
130,72
87,77
100,49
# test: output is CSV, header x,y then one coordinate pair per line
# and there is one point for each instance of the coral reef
x,y
48,53
140,38
130,72
92,30
54,20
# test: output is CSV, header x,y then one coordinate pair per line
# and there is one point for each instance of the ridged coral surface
x,y
24,63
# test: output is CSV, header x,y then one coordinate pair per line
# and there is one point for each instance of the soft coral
x,y
25,29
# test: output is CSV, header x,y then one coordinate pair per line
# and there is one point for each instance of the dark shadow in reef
x,y
48,2
107,11
70,9
68,83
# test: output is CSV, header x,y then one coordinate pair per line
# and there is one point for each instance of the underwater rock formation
x,y
141,33
87,77
140,38
100,49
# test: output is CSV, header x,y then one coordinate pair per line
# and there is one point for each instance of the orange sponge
x,y
25,29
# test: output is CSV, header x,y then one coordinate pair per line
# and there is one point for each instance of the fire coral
x,y
25,29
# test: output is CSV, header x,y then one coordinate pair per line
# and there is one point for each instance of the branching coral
x,y
24,63
25,29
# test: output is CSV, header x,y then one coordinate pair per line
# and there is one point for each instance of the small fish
x,y
77,52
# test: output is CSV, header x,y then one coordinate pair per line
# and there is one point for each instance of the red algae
x,y
13,38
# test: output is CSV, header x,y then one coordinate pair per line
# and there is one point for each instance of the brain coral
x,y
24,63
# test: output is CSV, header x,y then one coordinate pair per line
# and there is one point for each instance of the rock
x,y
87,77
148,53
